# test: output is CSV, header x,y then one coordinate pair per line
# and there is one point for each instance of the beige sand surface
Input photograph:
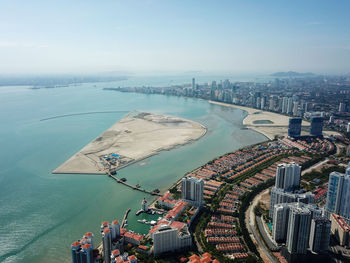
x,y
135,137
278,127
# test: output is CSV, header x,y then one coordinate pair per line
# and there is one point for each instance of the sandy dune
x,y
136,136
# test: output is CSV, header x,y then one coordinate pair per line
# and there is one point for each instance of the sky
x,y
46,36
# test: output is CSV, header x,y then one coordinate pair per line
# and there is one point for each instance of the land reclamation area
x,y
136,136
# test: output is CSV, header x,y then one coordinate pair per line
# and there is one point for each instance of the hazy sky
x,y
229,36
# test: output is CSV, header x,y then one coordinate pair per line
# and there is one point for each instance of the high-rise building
x,y
284,104
280,222
271,104
86,254
342,107
258,102
279,196
288,176
320,233
262,105
280,218
338,194
192,190
115,229
307,107
298,230
170,237
348,127
75,248
316,126
193,83
294,127
290,106
295,108
82,251
107,244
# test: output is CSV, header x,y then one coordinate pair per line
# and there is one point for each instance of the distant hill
x,y
292,74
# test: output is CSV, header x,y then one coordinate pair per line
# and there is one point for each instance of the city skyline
x,y
165,36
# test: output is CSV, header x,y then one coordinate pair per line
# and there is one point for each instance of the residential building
x,y
107,244
279,196
170,237
316,126
320,233
340,229
338,194
280,222
294,127
288,176
192,190
290,106
298,230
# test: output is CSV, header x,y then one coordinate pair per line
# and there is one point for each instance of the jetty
x,y
134,187
125,218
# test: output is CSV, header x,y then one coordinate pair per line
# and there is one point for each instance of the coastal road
x,y
250,223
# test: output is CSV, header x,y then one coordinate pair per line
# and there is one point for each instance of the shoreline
x,y
277,127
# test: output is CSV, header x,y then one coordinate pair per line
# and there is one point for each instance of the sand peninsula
x,y
136,136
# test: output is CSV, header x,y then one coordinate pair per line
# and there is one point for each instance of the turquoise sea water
x,y
41,214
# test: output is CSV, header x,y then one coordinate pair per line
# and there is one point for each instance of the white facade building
x,y
192,190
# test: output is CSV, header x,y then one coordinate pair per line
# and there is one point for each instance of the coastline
x,y
277,127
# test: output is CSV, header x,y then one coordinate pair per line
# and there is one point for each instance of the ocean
x,y
42,213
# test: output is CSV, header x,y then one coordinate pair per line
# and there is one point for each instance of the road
x,y
250,223
314,166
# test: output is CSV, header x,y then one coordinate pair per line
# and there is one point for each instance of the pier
x,y
112,171
132,186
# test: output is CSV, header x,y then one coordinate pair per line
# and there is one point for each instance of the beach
x,y
135,137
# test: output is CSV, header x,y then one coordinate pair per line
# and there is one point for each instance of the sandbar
x,y
136,136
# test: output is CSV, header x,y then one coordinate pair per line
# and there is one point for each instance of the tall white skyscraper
x,y
279,196
298,230
284,104
280,222
288,176
192,190
295,108
338,194
281,218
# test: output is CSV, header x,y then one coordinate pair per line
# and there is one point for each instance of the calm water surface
x,y
41,214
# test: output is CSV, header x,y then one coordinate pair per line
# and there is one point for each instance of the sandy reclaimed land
x,y
278,127
136,136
